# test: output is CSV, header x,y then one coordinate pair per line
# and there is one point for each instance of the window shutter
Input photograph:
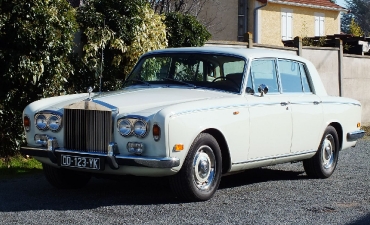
x,y
289,26
317,26
322,30
284,26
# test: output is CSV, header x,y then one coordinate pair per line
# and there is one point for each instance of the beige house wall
x,y
303,22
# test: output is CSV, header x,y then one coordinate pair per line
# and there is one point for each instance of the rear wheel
x,y
65,179
200,174
324,162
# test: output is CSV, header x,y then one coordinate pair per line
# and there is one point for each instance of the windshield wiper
x,y
180,81
144,82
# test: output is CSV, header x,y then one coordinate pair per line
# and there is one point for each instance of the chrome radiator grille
x,y
87,130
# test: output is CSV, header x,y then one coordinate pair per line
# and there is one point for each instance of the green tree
x,y
122,31
355,29
359,11
184,30
36,37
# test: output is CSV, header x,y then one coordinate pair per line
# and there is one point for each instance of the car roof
x,y
243,52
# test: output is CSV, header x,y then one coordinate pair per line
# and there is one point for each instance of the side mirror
x,y
263,89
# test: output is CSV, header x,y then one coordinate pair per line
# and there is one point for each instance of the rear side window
x,y
293,77
290,76
306,84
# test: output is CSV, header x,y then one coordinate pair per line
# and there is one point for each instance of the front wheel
x,y
200,174
65,179
324,162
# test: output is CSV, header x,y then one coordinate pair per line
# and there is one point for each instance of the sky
x,y
341,3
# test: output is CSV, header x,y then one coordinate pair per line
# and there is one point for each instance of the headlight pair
x,y
138,126
48,120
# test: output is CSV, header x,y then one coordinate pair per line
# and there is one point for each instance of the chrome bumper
x,y
355,135
113,159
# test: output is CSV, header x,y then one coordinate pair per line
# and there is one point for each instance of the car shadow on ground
x,y
260,175
35,193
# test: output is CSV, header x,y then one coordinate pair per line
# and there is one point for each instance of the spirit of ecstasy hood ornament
x,y
90,90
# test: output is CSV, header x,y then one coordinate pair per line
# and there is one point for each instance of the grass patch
x,y
18,165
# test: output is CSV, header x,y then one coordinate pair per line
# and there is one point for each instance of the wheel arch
x,y
338,128
225,153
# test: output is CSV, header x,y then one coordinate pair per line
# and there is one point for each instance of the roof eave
x,y
308,5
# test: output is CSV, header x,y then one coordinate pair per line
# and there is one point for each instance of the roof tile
x,y
323,3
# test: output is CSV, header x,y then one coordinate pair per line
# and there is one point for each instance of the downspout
x,y
255,32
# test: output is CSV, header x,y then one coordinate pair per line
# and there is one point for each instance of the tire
x,y
201,172
324,162
65,179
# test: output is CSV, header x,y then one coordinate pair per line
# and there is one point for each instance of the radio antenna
x,y
102,58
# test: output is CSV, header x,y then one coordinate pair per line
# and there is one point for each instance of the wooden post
x,y
298,44
248,37
339,44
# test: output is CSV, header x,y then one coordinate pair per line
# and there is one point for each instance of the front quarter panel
x,y
229,116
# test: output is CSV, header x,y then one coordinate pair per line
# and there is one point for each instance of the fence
x,y
342,74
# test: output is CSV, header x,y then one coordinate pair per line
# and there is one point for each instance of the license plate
x,y
80,162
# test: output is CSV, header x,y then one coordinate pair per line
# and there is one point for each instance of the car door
x,y
307,116
270,113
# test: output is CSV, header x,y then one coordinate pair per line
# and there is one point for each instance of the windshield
x,y
212,71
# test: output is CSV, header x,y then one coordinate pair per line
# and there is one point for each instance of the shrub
x,y
184,30
36,37
122,30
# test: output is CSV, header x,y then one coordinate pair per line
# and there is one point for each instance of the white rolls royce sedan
x,y
194,115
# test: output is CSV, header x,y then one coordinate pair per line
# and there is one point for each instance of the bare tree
x,y
192,7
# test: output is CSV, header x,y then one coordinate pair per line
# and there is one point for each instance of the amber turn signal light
x,y
156,132
26,123
178,147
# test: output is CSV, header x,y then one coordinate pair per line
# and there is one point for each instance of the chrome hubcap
x,y
204,166
328,151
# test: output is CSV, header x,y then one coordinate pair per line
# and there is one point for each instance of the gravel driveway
x,y
273,195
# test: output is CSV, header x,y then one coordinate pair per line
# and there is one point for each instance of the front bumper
x,y
355,135
113,159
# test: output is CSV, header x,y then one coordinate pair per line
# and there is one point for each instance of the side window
x,y
234,67
290,76
305,82
264,72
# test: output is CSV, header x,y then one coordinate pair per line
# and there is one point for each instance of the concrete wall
x,y
326,62
355,80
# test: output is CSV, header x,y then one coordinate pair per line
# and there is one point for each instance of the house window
x,y
319,24
286,24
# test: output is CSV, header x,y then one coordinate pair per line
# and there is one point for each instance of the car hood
x,y
134,100
153,99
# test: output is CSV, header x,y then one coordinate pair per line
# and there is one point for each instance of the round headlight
x,y
40,122
55,123
140,128
124,127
